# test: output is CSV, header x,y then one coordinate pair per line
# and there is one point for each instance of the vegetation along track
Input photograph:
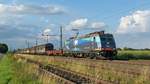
x,y
117,62
67,75
93,62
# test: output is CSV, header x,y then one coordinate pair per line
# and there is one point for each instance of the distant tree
x,y
126,48
118,48
146,49
131,49
3,48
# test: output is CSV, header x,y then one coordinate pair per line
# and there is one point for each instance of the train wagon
x,y
39,49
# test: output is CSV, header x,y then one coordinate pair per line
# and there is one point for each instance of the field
x,y
120,72
133,55
128,71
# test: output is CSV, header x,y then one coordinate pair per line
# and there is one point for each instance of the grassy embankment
x,y
133,55
13,72
101,69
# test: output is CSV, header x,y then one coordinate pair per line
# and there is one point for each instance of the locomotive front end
x,y
108,46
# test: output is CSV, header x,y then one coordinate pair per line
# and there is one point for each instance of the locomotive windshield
x,y
107,41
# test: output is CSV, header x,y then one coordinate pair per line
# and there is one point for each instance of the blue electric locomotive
x,y
96,44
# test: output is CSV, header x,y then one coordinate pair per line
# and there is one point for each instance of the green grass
x,y
12,72
133,55
6,72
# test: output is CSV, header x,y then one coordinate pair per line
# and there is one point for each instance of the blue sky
x,y
23,20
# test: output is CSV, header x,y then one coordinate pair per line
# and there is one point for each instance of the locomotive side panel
x,y
84,44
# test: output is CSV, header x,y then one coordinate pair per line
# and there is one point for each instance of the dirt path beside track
x,y
1,55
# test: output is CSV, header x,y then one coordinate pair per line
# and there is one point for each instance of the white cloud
x,y
52,30
136,40
85,23
14,23
98,25
46,31
82,22
31,9
139,21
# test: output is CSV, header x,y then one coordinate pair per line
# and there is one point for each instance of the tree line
x,y
127,48
3,48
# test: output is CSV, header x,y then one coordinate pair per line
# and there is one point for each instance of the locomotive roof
x,y
90,34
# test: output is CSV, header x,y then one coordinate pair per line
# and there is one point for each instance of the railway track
x,y
133,63
112,61
60,79
70,77
141,63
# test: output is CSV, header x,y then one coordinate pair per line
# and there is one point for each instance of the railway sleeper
x,y
68,75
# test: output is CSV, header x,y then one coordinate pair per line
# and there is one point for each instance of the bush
x,y
3,48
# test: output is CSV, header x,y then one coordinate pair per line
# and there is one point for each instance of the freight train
x,y
92,45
